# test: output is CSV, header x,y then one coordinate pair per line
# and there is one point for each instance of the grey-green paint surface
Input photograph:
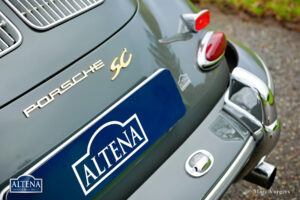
x,y
73,46
43,54
218,134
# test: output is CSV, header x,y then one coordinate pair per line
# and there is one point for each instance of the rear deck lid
x,y
52,42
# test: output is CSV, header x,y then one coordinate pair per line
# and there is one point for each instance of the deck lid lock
x,y
199,163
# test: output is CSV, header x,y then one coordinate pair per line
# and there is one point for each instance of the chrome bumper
x,y
251,102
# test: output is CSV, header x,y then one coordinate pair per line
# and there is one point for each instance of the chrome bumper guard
x,y
251,102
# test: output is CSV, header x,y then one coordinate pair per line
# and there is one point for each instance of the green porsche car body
x,y
75,67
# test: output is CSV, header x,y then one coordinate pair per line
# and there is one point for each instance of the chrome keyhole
x,y
199,163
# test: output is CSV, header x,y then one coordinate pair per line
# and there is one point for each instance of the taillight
x,y
212,49
216,46
202,20
196,22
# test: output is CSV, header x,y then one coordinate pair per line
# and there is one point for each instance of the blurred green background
x,y
282,10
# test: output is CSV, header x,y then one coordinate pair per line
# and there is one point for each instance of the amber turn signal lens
x,y
216,46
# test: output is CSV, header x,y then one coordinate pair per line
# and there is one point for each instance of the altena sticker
x,y
26,184
100,161
110,145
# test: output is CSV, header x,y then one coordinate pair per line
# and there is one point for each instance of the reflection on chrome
x,y
225,130
263,174
241,79
260,119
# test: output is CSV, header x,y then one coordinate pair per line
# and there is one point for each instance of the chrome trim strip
x,y
49,25
19,35
232,171
81,131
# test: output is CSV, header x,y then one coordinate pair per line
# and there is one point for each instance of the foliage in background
x,y
282,9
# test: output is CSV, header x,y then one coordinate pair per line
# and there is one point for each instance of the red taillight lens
x,y
202,20
216,46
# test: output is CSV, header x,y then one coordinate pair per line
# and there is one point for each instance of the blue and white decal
x,y
83,165
26,184
100,161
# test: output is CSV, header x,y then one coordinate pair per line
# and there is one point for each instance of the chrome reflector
x,y
44,14
10,36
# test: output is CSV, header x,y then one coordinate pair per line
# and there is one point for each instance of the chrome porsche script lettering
x,y
116,67
104,156
42,102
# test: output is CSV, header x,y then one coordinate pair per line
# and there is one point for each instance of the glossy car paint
x,y
44,54
47,59
170,181
159,100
